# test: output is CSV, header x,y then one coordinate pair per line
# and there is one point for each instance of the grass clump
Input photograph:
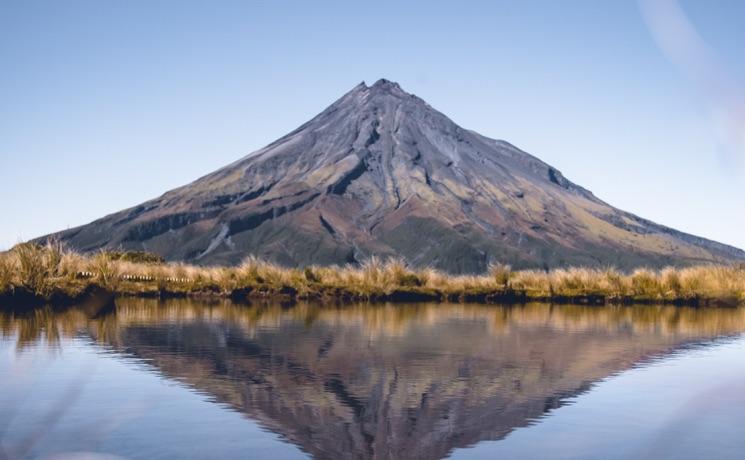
x,y
501,274
7,273
105,269
140,257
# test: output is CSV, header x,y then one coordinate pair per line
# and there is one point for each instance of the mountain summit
x,y
380,172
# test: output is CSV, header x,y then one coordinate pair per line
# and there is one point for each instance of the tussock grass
x,y
52,269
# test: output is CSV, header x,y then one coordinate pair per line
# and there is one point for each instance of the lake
x,y
150,379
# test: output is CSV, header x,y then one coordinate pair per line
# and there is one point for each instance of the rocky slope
x,y
381,172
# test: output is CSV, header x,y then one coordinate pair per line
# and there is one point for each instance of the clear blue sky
x,y
105,104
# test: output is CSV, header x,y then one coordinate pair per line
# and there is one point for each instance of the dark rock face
x,y
381,172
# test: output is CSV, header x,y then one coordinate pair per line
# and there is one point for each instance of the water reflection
x,y
391,381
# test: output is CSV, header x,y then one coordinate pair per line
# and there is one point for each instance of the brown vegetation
x,y
48,273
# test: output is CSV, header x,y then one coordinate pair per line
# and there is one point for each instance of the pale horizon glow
x,y
104,105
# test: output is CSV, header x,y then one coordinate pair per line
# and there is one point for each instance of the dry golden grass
x,y
44,270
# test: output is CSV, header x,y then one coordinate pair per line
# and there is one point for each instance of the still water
x,y
184,379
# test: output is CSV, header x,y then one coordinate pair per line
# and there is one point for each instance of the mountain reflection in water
x,y
387,381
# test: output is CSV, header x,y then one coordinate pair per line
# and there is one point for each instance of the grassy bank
x,y
35,274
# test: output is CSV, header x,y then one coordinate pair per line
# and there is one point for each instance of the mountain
x,y
380,172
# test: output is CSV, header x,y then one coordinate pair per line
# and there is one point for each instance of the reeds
x,y
44,270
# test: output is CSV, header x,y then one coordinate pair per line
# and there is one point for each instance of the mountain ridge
x,y
381,172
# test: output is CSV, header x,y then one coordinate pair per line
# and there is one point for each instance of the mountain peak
x,y
386,85
383,96
380,87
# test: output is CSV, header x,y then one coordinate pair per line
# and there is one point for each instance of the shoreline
x,y
24,299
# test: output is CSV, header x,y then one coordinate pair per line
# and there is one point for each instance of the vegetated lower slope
x,y
380,172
